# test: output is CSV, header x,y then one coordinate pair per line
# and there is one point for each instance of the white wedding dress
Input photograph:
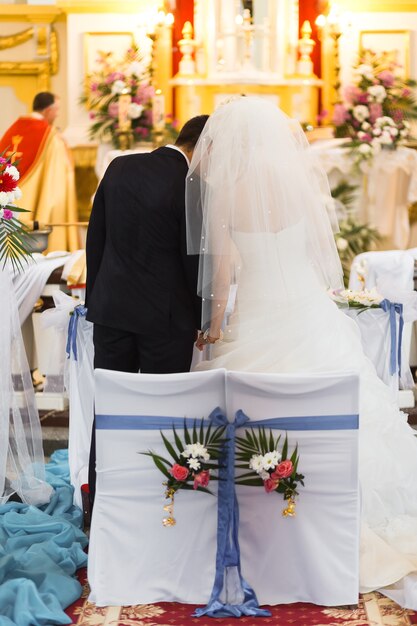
x,y
285,322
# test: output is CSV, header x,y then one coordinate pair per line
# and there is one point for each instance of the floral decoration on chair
x,y
376,109
273,469
192,463
14,235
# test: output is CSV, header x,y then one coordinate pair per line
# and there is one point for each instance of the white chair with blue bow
x,y
314,556
133,557
387,332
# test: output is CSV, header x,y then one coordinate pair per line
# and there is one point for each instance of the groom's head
x,y
190,133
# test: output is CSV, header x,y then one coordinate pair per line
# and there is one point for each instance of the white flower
x,y
366,126
256,463
270,460
384,121
393,132
364,148
194,464
264,475
118,86
377,92
136,67
360,112
17,193
386,138
342,244
376,131
13,172
195,450
5,198
365,71
135,110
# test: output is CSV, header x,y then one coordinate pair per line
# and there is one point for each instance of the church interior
x,y
125,77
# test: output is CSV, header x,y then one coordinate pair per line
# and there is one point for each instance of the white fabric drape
x,y
21,454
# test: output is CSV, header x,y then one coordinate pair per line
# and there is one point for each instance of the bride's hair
x,y
252,171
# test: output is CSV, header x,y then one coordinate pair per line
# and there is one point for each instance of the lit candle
x,y
158,110
124,101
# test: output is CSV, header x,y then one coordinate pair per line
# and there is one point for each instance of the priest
x,y
46,171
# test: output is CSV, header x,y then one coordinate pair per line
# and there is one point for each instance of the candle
x,y
158,110
124,101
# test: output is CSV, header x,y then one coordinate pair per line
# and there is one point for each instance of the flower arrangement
x,y
130,76
376,107
13,233
269,468
192,462
364,299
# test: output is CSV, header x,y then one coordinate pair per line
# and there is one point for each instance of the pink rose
x,y
270,484
7,214
283,470
386,77
375,111
351,93
179,472
340,114
113,109
202,479
363,98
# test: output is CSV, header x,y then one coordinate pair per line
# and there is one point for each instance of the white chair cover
x,y
80,387
313,557
133,559
395,267
392,273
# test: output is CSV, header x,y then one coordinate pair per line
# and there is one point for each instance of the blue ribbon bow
x,y
79,311
228,552
395,352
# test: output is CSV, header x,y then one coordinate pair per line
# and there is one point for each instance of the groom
x,y
141,284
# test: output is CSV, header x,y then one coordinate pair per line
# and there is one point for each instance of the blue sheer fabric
x,y
40,551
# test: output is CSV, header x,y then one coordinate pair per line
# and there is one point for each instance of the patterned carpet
x,y
373,610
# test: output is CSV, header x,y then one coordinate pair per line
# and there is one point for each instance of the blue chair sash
x,y
79,311
395,352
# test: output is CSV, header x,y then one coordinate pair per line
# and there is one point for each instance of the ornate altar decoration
x,y
250,47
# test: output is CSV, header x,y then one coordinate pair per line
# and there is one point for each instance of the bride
x,y
263,223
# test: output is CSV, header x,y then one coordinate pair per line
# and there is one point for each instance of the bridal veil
x,y
252,172
22,469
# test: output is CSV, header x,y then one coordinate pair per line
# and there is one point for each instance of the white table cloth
x,y
385,191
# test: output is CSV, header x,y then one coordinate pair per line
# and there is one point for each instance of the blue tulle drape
x,y
40,551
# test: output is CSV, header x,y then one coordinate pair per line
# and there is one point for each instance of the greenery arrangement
x,y
13,233
273,470
192,463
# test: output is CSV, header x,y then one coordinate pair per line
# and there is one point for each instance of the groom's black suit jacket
x,y
139,276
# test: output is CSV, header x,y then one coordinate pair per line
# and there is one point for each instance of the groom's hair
x,y
191,131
